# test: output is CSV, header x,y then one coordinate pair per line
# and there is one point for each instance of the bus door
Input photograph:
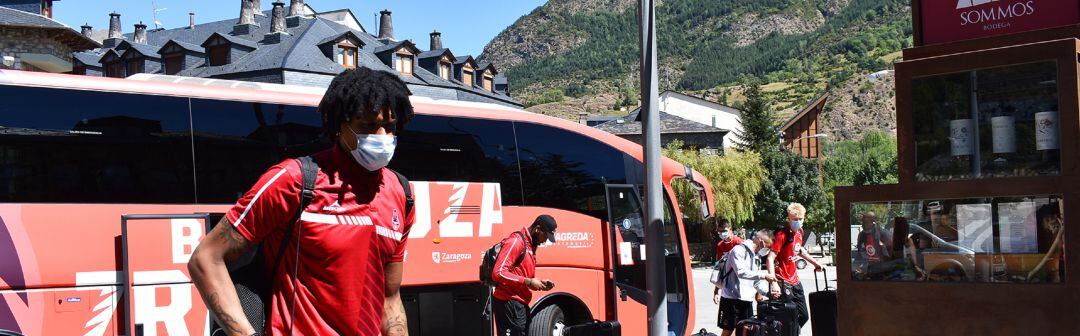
x,y
627,232
159,297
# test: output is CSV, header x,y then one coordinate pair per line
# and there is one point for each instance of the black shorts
x,y
511,317
732,311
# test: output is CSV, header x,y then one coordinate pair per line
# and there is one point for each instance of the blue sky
x,y
466,25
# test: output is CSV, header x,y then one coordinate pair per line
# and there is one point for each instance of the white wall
x,y
702,112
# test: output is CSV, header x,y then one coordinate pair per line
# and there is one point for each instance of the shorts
x,y
732,311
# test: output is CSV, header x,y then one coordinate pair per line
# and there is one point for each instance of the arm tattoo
x,y
235,243
394,323
227,323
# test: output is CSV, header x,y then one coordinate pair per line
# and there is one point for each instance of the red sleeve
x,y
269,204
399,253
778,241
512,247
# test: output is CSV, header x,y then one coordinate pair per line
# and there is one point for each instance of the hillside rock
x,y
751,27
861,105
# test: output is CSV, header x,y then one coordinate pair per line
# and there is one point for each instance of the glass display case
x,y
987,123
1017,239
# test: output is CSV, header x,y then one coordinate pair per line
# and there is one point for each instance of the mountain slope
x,y
584,53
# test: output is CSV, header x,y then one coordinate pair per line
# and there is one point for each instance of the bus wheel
x,y
550,321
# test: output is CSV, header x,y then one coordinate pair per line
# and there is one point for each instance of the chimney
x,y
277,23
191,20
583,118
296,10
87,30
247,24
140,33
115,34
256,7
386,26
436,40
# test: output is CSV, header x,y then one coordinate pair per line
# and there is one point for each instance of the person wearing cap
x,y
515,276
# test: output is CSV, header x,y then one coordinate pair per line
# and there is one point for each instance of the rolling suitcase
x,y
599,328
823,309
783,312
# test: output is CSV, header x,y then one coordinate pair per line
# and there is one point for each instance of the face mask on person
x,y
796,224
374,151
724,235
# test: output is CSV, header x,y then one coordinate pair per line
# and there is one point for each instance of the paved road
x,y
706,310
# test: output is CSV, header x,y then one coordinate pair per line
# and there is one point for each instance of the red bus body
x,y
74,269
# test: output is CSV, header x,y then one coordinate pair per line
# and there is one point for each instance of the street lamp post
x,y
656,281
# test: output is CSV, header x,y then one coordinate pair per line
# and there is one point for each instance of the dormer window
x,y
467,75
444,68
173,63
403,62
114,69
219,54
489,81
349,56
136,65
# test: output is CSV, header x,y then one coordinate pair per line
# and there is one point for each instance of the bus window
x,y
93,147
566,170
235,142
436,148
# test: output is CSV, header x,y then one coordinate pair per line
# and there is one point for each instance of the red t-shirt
x,y
510,280
787,254
723,247
353,227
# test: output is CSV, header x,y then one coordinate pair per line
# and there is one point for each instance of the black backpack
x,y
250,279
487,266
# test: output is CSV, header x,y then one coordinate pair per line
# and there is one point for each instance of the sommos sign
x,y
954,20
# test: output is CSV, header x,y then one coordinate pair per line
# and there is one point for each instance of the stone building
x,y
36,41
293,45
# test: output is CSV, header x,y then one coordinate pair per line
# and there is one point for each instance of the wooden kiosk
x,y
972,240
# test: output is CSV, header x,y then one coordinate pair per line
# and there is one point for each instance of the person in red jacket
x,y
728,239
515,276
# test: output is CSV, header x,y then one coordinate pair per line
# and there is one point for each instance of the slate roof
x,y
146,50
14,17
298,50
68,36
433,53
89,58
187,46
668,124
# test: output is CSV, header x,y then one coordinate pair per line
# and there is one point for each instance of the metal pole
x,y
656,280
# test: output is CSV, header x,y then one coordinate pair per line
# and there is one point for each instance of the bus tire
x,y
550,321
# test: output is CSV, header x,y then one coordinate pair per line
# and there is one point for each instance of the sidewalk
x,y
706,310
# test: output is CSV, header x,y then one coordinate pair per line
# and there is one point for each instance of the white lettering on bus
x,y
490,208
148,313
422,208
185,237
450,227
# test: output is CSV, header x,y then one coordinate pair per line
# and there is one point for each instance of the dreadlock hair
x,y
360,92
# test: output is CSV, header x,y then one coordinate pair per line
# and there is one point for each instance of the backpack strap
x,y
310,171
524,249
409,201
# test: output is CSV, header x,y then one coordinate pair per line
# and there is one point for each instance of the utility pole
x,y
656,280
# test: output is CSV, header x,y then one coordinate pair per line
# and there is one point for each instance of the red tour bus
x,y
107,185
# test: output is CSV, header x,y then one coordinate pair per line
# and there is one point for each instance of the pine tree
x,y
759,132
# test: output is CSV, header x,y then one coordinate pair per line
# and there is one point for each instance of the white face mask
x,y
374,151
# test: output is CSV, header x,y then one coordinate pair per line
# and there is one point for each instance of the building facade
x,y
292,45
35,41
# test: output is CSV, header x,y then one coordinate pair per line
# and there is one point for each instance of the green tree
x,y
736,178
758,123
792,178
870,160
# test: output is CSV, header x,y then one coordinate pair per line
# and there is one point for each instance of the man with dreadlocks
x,y
344,277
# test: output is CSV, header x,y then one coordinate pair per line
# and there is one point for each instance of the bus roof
x,y
309,96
